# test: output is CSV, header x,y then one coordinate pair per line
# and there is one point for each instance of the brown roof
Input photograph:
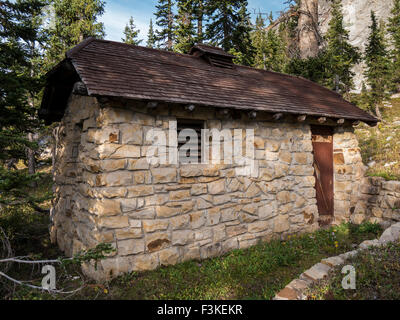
x,y
120,70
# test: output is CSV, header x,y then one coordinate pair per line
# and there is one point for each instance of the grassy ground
x,y
255,273
380,146
377,277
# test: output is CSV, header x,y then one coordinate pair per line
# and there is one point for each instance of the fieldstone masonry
x,y
106,191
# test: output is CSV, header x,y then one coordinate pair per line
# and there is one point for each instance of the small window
x,y
189,140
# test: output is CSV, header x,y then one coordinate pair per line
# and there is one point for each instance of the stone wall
x,y
349,170
164,214
379,202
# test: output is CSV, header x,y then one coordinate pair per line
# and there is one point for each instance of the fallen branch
x,y
37,287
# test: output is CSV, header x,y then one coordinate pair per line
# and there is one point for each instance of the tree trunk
x,y
200,21
308,22
170,26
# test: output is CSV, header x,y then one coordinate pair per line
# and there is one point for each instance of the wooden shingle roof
x,y
116,69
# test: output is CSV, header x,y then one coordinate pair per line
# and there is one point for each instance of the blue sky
x,y
118,12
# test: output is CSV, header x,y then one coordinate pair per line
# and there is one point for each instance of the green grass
x,y
255,273
377,277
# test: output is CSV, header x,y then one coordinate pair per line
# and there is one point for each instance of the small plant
x,y
96,254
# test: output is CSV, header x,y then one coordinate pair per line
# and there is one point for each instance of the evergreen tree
x,y
199,11
378,65
342,56
21,82
270,49
165,20
74,21
151,37
394,30
185,33
131,33
259,39
242,44
230,28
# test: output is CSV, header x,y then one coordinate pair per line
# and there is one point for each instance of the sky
x,y
118,12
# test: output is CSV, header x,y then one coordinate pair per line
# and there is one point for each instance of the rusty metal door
x,y
322,141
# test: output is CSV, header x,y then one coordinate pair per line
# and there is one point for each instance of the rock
x,y
157,241
179,195
164,175
165,212
281,224
169,256
391,234
131,233
283,197
333,261
145,262
369,243
217,187
131,246
115,222
348,255
182,237
258,226
131,134
155,225
317,272
139,191
105,207
286,294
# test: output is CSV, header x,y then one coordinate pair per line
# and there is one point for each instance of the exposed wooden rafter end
x,y
190,107
252,114
340,121
301,118
152,105
322,120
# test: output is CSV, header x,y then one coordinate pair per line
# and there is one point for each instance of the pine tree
x,y
199,11
259,39
230,28
131,33
394,30
151,38
270,49
165,20
21,81
342,56
74,21
242,44
378,65
185,33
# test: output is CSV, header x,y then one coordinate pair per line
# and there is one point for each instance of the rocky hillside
x,y
357,20
380,146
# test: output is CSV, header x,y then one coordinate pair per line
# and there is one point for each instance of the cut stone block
x,y
299,284
287,294
317,272
370,243
333,261
348,255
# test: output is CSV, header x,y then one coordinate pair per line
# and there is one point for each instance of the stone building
x,y
108,96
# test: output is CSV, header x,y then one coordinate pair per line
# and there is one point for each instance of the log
x,y
190,107
340,121
252,114
301,118
152,105
80,89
